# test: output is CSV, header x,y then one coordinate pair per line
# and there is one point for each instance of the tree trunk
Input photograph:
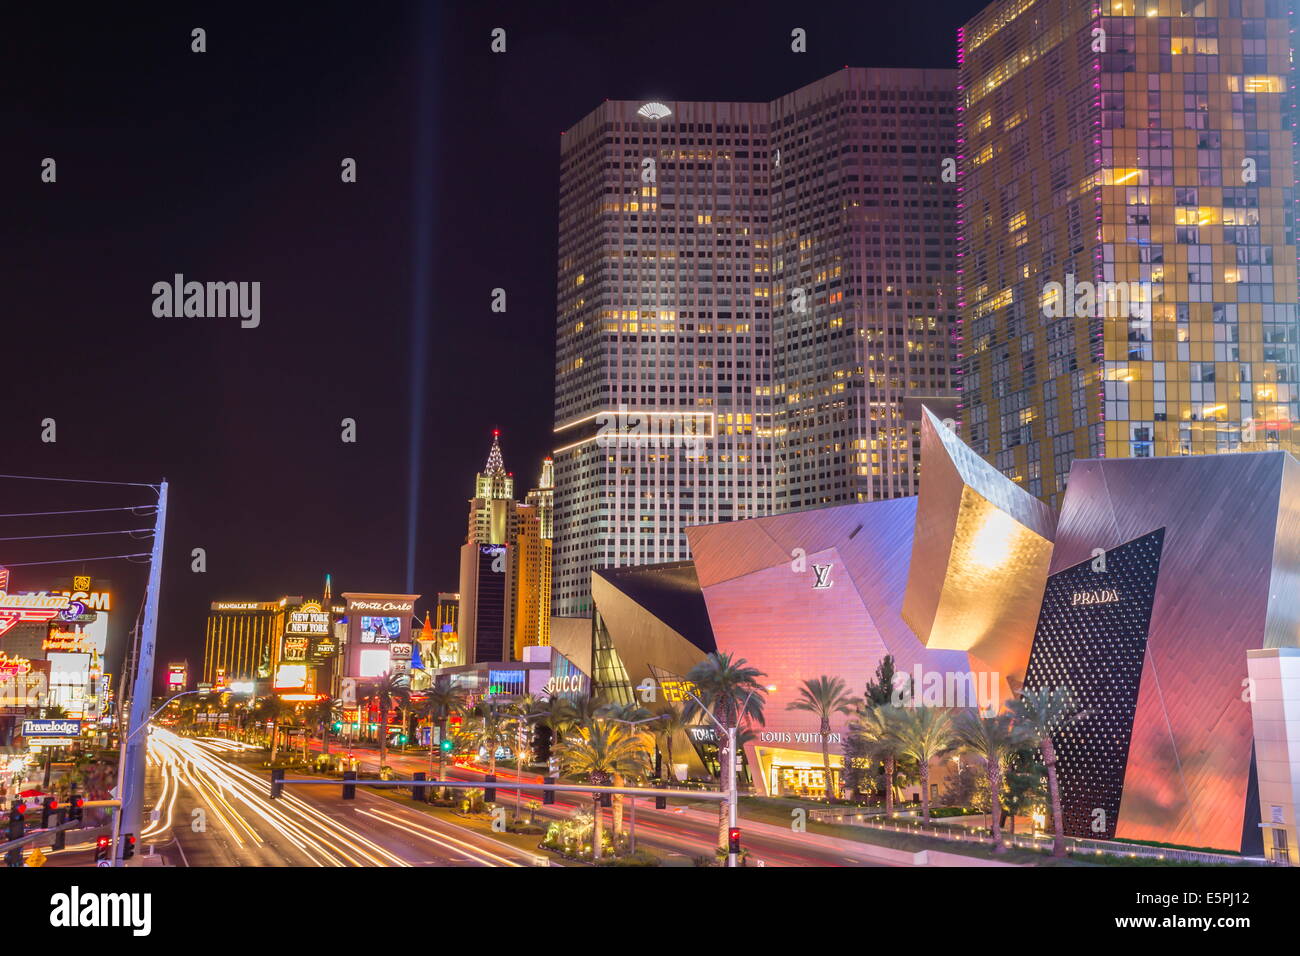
x,y
275,738
325,737
995,814
618,809
925,790
889,787
597,830
1054,792
383,735
826,758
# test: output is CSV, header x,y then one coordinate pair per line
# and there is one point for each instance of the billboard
x,y
53,727
308,619
380,630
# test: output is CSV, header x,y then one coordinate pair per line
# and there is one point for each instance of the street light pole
x,y
131,771
733,792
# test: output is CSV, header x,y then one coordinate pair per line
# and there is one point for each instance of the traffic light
x,y
277,782
102,846
76,807
15,856
349,789
17,819
489,792
661,802
419,794
733,840
128,845
548,796
48,806
446,745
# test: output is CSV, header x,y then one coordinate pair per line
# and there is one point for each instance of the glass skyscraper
x,y
1127,240
753,301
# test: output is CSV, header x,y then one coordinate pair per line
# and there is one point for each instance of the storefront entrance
x,y
802,781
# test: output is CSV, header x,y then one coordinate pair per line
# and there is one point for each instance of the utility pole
x,y
131,773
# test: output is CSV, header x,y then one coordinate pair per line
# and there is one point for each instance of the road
x,y
675,830
215,812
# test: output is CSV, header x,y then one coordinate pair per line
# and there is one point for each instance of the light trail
x,y
237,798
445,840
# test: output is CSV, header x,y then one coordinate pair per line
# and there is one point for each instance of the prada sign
x,y
1099,596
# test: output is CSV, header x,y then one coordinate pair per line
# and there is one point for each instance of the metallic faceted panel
x,y
1092,638
979,558
1188,775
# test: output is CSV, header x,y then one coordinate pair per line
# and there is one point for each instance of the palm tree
x,y
389,687
627,715
489,731
728,688
601,750
441,701
672,721
272,710
1041,715
324,714
924,733
993,740
824,696
876,724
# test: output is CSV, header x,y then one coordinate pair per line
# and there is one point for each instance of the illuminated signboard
x,y
295,649
380,630
308,619
19,608
677,691
291,677
13,666
405,606
567,684
70,641
322,650
176,676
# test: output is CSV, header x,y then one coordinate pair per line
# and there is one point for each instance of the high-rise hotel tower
x,y
1127,251
753,301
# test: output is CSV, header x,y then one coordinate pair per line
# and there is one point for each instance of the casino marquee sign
x,y
22,608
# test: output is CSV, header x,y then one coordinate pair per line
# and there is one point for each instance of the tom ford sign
x,y
1098,596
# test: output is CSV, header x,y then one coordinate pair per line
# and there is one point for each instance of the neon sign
x,y
13,666
19,608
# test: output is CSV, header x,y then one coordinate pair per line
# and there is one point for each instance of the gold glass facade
x,y
241,635
1128,258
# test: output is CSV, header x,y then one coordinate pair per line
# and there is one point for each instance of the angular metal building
x,y
1221,536
948,583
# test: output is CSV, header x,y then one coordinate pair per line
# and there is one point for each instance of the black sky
x,y
225,166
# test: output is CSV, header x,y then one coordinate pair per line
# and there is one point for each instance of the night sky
x,y
225,166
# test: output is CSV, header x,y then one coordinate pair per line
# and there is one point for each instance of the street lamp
x,y
733,793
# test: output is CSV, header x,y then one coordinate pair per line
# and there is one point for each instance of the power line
x,y
77,534
83,481
81,511
106,557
